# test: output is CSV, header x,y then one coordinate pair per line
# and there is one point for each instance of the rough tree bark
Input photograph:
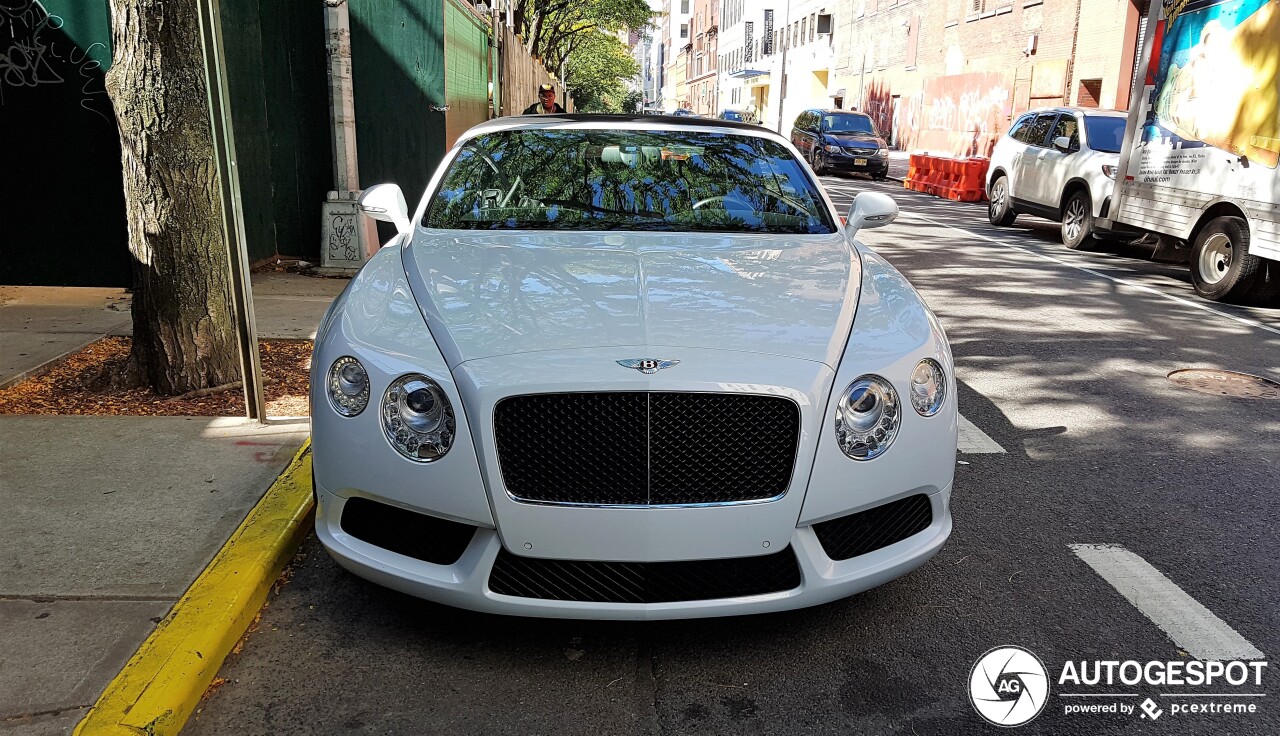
x,y
183,335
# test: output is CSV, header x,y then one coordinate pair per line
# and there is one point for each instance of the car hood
x,y
485,294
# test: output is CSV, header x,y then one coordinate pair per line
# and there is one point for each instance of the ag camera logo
x,y
1009,686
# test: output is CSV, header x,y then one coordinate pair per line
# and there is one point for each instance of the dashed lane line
x,y
1188,623
973,441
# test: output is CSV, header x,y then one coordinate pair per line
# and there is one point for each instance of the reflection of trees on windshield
x,y
627,180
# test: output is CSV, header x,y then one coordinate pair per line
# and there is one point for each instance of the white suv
x,y
1057,163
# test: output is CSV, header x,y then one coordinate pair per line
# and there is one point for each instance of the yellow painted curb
x,y
161,684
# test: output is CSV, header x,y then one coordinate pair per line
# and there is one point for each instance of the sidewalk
x,y
108,520
899,163
39,323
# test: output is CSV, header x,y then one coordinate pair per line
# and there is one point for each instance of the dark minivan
x,y
841,141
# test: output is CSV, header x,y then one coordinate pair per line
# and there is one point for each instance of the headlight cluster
x,y
416,415
418,418
831,149
867,418
348,386
869,413
882,153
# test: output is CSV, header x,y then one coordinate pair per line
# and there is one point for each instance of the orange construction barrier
x,y
961,180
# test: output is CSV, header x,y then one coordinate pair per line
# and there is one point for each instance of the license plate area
x,y
859,162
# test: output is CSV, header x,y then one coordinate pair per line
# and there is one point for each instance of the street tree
x,y
597,73
555,29
579,38
183,335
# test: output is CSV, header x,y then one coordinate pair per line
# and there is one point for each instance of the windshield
x,y
627,180
848,124
1106,134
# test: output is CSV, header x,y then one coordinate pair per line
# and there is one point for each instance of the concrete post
x,y
348,238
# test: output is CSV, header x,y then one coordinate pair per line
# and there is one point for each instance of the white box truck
x,y
1202,143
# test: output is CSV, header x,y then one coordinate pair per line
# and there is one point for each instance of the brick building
x,y
702,73
676,46
947,76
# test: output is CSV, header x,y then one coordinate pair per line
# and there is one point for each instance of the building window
x,y
684,6
813,26
804,29
1090,92
684,30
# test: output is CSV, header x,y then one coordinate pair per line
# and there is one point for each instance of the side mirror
x,y
385,202
1062,143
871,209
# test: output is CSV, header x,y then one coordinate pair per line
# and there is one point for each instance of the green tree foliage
x,y
633,102
597,72
583,36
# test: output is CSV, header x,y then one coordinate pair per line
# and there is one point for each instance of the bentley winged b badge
x,y
647,365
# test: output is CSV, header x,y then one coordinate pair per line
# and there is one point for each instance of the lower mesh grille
x,y
406,533
643,582
870,530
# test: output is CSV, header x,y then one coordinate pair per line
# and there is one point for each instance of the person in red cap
x,y
546,104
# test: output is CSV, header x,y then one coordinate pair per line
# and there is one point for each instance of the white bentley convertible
x,y
630,368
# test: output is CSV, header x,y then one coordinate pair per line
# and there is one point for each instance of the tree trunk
x,y
183,337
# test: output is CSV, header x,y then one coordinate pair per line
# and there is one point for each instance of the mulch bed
x,y
63,388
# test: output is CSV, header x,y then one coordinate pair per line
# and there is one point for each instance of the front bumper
x,y
465,583
846,163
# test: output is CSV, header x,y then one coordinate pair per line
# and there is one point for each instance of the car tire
x,y
999,209
1222,268
819,161
1077,220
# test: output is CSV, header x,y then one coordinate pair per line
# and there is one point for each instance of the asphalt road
x,y
1062,359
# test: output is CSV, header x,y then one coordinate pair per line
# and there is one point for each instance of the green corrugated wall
x,y
467,60
60,132
397,49
277,74
63,217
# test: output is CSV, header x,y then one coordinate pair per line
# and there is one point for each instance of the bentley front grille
x,y
646,448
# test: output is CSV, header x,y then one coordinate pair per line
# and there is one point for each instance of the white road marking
x,y
1189,624
973,441
1202,306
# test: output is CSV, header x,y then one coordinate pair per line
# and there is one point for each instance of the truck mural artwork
x,y
1202,143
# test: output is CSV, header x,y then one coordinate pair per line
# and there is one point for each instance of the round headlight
x,y
867,418
348,386
928,387
418,418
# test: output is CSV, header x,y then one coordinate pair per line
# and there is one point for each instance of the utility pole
x,y
224,150
495,59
